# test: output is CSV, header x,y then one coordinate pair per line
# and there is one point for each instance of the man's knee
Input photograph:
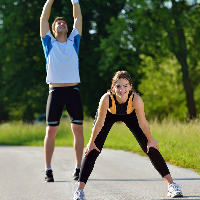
x,y
51,131
77,129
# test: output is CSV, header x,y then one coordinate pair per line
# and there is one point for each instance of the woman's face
x,y
122,88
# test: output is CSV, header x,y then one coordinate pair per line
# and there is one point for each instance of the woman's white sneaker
x,y
79,195
174,190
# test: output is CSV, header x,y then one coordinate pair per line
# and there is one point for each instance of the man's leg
x,y
78,147
75,113
49,144
78,143
54,110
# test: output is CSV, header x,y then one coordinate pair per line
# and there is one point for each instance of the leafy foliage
x,y
160,30
138,36
164,96
21,62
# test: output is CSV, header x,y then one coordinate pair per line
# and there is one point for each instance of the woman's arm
x,y
138,104
102,111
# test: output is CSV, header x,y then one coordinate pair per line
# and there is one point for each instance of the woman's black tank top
x,y
121,109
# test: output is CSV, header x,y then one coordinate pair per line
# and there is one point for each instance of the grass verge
x,y
178,142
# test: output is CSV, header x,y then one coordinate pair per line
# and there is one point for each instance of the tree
x,y
22,62
156,28
22,66
163,94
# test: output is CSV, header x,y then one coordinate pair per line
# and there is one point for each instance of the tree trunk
x,y
187,86
178,47
1,112
190,98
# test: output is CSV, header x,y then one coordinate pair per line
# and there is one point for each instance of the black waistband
x,y
63,88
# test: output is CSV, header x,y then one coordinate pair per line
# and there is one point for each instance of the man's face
x,y
61,27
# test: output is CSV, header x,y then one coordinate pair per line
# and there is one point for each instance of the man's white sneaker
x,y
79,195
174,190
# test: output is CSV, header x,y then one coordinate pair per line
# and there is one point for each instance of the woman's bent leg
x,y
89,161
158,162
154,155
88,165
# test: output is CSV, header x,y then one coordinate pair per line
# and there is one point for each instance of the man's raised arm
x,y
44,19
77,16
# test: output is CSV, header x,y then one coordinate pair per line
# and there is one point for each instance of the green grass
x,y
178,141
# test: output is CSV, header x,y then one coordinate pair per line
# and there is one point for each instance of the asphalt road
x,y
118,175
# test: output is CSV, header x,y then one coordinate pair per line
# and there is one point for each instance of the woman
x,y
121,103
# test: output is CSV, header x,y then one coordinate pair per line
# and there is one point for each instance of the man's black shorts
x,y
60,97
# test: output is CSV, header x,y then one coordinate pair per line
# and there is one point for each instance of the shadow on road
x,y
184,198
152,179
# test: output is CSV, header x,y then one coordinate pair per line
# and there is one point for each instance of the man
x,y
62,66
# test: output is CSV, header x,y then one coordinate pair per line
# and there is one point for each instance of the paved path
x,y
118,175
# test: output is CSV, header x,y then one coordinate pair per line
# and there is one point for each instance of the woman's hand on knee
x,y
90,147
153,143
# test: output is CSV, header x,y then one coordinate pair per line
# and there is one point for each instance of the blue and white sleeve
x,y
47,43
75,37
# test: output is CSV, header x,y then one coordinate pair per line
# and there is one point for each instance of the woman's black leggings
x,y
132,123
